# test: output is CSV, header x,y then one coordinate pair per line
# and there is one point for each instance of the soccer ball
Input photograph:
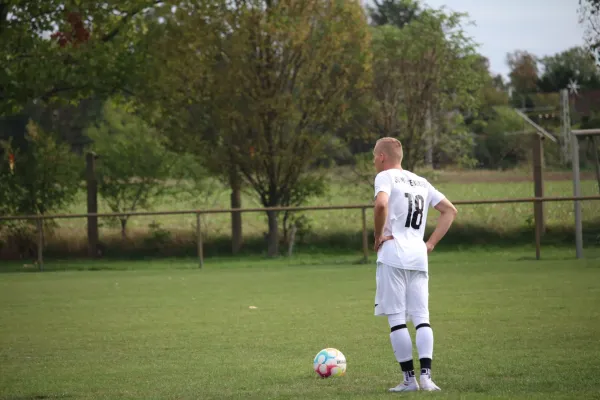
x,y
330,362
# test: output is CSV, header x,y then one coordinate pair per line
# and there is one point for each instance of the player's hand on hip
x,y
429,247
380,240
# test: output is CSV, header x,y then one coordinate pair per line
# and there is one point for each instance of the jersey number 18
x,y
414,219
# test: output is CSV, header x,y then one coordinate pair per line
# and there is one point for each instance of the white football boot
x,y
426,382
409,385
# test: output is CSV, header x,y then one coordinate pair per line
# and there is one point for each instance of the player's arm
x,y
380,211
447,214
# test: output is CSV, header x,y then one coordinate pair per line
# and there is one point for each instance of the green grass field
x,y
506,326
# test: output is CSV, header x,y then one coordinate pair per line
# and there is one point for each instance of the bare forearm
x,y
442,227
380,217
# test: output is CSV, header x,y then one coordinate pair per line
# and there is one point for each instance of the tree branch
x,y
109,36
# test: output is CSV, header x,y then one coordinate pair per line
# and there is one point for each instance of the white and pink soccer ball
x,y
330,362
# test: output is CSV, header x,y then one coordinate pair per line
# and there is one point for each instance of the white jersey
x,y
410,197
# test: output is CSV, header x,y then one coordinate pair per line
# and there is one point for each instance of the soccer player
x,y
402,295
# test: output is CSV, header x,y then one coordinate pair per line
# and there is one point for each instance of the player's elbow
x,y
452,211
380,206
448,210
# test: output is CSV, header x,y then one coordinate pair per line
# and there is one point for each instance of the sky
x,y
542,27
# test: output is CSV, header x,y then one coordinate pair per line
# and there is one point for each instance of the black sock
x,y
425,363
407,366
408,369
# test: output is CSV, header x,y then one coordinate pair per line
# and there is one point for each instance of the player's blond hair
x,y
391,147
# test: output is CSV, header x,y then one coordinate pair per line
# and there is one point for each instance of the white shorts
x,y
402,291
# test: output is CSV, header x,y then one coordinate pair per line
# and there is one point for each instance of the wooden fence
x,y
365,240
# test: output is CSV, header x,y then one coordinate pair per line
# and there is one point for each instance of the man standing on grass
x,y
401,203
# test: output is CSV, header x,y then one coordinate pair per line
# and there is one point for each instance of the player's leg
x,y
418,309
402,346
390,301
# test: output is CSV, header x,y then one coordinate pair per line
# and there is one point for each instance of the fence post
x,y
92,204
538,231
538,182
40,244
365,238
199,240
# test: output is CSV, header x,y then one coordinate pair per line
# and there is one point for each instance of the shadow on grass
x,y
37,397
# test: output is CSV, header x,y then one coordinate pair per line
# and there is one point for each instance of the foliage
x,y
271,80
524,74
427,70
498,144
572,64
310,186
45,178
589,16
46,175
69,49
134,166
394,12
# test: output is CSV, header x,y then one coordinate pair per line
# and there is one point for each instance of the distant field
x,y
505,327
345,191
494,223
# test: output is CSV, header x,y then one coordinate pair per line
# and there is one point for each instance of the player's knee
x,y
397,320
421,322
397,327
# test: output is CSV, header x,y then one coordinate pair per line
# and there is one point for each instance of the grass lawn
x,y
506,326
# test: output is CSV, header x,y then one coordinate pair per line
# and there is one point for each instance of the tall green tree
x,y
524,75
257,86
178,96
426,71
289,71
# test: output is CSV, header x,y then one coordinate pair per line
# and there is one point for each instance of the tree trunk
x,y
236,217
429,138
273,236
124,228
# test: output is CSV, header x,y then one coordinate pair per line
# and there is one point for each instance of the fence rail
x,y
363,207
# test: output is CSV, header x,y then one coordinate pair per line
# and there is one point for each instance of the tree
x,y
589,15
134,164
572,64
498,144
427,70
68,49
394,12
45,177
523,76
289,71
178,94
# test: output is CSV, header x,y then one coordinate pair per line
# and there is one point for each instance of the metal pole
x,y
199,240
40,244
577,193
365,238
